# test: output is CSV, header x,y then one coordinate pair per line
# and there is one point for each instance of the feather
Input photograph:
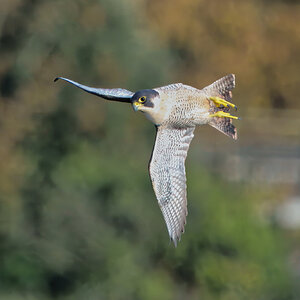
x,y
117,94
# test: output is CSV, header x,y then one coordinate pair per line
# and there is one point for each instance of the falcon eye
x,y
142,99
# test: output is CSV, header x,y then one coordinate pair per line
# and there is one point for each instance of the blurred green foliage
x,y
78,217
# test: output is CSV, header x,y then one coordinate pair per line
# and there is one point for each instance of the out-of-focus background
x,y
78,217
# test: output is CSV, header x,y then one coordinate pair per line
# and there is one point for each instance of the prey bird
x,y
175,110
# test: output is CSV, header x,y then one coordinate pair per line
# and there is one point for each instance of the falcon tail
x,y
222,88
225,126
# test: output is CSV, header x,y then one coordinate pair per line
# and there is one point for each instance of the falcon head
x,y
148,102
144,99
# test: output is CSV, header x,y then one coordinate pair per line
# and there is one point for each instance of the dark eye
x,y
142,99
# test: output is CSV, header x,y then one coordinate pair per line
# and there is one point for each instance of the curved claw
x,y
222,114
219,101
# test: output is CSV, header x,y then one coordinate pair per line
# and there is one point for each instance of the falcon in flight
x,y
175,110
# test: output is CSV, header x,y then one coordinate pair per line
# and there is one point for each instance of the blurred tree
x,y
256,40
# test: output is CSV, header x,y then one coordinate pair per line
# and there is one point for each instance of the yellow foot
x,y
219,101
222,114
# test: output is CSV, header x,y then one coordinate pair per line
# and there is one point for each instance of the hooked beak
x,y
136,106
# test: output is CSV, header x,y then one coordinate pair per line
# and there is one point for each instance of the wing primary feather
x,y
118,94
167,173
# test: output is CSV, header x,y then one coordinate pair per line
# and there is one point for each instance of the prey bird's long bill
x,y
118,94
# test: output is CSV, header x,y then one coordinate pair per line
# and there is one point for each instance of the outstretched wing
x,y
118,94
167,172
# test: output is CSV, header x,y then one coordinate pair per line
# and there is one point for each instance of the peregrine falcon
x,y
175,110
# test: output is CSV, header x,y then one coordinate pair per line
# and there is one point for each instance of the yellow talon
x,y
219,101
222,114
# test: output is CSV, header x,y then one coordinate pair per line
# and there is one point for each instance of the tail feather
x,y
225,127
222,88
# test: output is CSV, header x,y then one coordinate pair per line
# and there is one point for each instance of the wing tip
x,y
174,241
57,78
176,237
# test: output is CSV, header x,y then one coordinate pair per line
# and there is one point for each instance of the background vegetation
x,y
78,217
